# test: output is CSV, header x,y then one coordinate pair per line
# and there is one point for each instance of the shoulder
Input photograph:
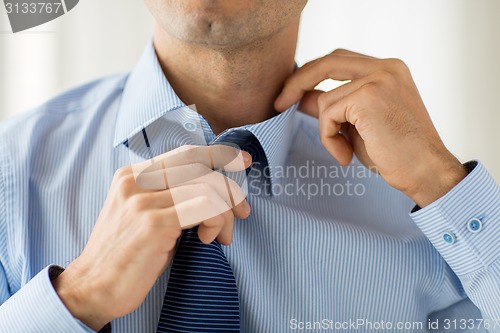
x,y
67,104
67,112
58,128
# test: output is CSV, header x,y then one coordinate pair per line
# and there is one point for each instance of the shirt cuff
x,y
463,225
37,308
54,272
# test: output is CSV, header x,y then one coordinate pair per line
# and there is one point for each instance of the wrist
x,y
437,177
80,298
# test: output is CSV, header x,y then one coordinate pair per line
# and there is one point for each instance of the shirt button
x,y
190,126
475,225
449,237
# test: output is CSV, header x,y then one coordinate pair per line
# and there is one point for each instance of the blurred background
x,y
451,46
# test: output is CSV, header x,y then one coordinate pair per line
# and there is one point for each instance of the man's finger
x,y
338,146
344,109
309,103
193,203
221,227
225,236
331,138
195,173
171,197
333,96
344,52
341,68
216,156
217,227
196,203
358,145
165,178
315,101
347,109
226,188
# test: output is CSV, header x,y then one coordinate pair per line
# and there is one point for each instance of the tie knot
x,y
239,135
258,174
245,140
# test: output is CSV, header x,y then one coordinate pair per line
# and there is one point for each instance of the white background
x,y
451,46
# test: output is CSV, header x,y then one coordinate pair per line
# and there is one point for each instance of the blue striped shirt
x,y
332,249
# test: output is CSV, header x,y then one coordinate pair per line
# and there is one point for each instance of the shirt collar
x,y
275,136
147,96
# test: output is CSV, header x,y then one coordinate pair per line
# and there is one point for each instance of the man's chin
x,y
212,34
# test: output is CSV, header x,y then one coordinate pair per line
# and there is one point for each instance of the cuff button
x,y
475,225
449,237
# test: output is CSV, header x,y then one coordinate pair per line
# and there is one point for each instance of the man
x,y
301,259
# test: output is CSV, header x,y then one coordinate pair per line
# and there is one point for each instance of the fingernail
x,y
246,207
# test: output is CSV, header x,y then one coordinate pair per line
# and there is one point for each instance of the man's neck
x,y
229,86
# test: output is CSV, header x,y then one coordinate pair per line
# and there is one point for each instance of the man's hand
x,y
379,115
135,236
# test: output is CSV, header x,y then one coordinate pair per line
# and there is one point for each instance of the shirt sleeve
x,y
4,286
36,307
464,226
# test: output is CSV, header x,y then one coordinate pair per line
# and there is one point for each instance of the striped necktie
x,y
201,294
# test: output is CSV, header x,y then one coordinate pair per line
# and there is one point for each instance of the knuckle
x,y
138,202
338,51
125,184
152,218
397,65
121,172
173,233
